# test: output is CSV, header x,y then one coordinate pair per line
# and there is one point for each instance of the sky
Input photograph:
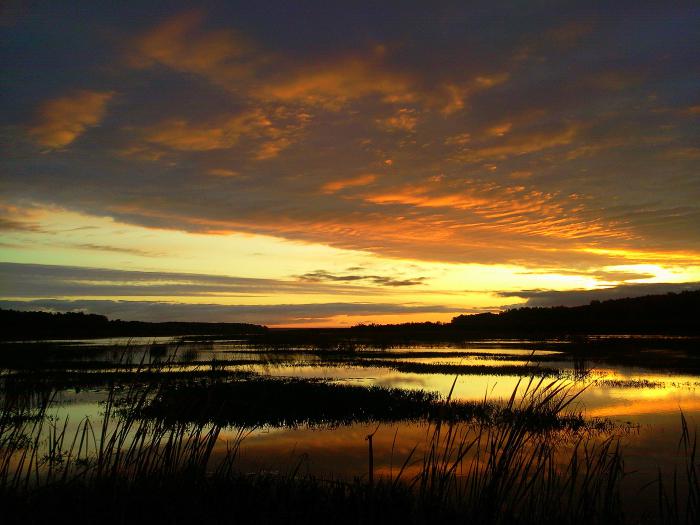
x,y
327,164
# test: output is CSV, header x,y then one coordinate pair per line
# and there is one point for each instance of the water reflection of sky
x,y
611,391
647,403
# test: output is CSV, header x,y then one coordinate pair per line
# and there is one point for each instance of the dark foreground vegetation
x,y
127,468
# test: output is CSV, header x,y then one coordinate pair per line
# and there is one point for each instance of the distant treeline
x,y
673,313
650,314
43,325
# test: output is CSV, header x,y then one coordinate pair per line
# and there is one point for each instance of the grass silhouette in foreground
x,y
126,468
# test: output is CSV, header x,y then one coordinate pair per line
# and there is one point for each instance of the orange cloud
x,y
507,210
489,81
453,97
181,44
182,135
272,148
332,85
62,120
141,152
338,185
223,172
226,59
403,120
484,220
499,130
273,135
421,196
521,144
441,221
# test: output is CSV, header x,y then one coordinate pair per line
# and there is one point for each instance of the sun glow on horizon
x,y
170,267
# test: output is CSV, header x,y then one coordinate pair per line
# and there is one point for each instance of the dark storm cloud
x,y
37,280
461,132
379,280
261,314
108,248
580,297
13,225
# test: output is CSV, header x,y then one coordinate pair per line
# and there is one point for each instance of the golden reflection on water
x,y
342,452
651,401
646,404
505,350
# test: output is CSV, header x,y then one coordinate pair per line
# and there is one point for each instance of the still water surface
x,y
643,403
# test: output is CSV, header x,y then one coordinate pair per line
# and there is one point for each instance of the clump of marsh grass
x,y
680,503
264,401
38,452
509,473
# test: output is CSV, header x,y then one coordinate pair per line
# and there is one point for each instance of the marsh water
x,y
640,404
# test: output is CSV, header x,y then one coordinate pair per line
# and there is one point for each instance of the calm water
x,y
643,403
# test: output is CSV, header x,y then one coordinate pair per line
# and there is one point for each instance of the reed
x,y
127,467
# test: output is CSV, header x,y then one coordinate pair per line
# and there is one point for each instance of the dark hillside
x,y
650,314
43,325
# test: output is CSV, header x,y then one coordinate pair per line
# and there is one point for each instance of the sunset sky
x,y
305,164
